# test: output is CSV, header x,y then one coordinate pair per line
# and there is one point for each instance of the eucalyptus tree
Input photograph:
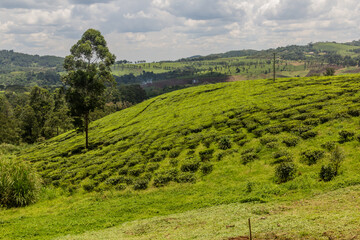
x,y
88,71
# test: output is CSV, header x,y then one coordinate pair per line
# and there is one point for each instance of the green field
x,y
203,152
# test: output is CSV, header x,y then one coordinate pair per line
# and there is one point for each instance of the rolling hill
x,y
211,145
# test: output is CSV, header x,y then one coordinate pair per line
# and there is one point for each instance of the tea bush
x,y
224,143
346,136
285,172
291,141
311,156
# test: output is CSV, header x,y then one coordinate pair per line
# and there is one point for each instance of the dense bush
x,y
206,168
346,135
190,165
248,155
268,139
291,141
285,172
19,184
311,156
224,143
141,184
327,173
308,134
186,177
330,145
282,156
206,155
164,177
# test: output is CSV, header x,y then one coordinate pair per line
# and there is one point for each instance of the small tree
x,y
88,69
336,158
329,71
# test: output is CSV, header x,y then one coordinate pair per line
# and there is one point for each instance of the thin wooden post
x,y
250,229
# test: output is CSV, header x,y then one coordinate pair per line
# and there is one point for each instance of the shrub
x,y
308,134
120,187
312,121
141,184
346,135
326,173
285,172
282,156
276,129
268,139
190,165
88,185
152,167
174,162
164,177
336,158
224,143
136,171
291,141
311,156
248,155
19,184
186,177
206,155
206,168
328,145
173,153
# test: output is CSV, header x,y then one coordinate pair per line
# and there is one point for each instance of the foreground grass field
x,y
198,149
310,218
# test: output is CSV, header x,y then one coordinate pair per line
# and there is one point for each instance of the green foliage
x,y
311,156
327,173
206,168
141,184
206,155
282,156
88,69
346,135
285,172
190,165
19,184
336,158
224,143
291,141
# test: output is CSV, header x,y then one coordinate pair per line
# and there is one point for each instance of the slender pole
x,y
274,67
250,229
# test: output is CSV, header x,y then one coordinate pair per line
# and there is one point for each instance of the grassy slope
x,y
188,120
309,218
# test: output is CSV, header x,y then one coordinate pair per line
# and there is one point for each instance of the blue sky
x,y
156,30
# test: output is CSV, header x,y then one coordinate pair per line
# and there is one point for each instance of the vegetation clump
x,y
285,172
19,184
311,156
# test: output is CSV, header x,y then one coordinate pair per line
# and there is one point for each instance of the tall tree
x,y
88,70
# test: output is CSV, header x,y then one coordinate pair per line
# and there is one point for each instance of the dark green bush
x,y
141,184
346,135
174,162
206,155
268,139
186,177
151,167
224,143
248,155
120,187
19,184
291,141
206,168
175,152
308,134
88,185
164,177
285,172
311,156
282,156
327,173
190,165
328,145
137,170
312,121
276,129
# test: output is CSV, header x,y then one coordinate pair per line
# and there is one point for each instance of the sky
x,y
155,30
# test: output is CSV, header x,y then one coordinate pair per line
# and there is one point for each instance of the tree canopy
x,y
88,70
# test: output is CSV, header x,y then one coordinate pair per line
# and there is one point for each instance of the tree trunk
x,y
87,131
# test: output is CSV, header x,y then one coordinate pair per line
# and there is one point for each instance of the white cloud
x,y
171,29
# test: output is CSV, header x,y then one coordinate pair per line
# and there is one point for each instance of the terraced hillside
x,y
248,141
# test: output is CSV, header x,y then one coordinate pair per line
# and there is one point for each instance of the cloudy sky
x,y
171,29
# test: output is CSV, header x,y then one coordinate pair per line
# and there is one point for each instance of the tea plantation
x,y
242,142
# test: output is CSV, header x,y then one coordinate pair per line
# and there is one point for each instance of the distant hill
x,y
28,70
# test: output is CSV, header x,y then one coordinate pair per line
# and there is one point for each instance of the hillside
x,y
194,148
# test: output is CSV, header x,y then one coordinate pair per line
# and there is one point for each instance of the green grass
x,y
157,138
309,218
339,48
